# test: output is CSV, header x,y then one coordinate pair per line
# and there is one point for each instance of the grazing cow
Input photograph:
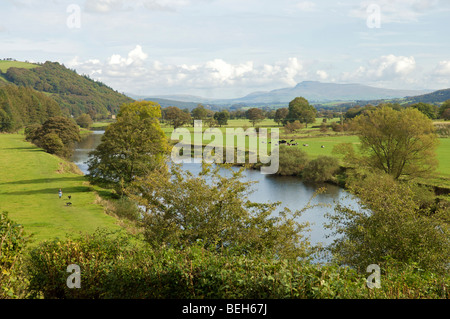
x,y
68,204
305,145
291,141
322,146
283,142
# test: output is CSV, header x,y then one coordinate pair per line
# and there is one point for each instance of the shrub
x,y
12,245
116,269
292,161
321,169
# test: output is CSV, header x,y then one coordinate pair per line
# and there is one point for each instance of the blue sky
x,y
229,48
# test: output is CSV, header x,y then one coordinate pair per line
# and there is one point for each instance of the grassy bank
x,y
29,186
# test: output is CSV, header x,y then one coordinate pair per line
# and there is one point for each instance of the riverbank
x,y
29,186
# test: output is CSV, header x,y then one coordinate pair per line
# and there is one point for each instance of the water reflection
x,y
289,190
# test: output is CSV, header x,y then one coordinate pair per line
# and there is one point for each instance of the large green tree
x,y
131,147
176,117
400,143
222,117
301,110
255,115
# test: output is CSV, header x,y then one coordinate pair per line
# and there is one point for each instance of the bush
x,y
12,245
84,121
292,161
125,208
115,269
321,169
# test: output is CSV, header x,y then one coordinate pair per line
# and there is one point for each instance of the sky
x,y
230,48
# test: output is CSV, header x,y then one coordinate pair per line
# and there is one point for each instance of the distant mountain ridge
x,y
313,91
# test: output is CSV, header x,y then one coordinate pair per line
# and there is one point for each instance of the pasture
x,y
29,184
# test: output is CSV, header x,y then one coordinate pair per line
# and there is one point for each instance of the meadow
x,y
29,184
313,137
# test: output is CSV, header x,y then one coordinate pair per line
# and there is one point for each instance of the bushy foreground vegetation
x,y
113,267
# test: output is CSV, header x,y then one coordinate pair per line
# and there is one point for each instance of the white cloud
x,y
323,75
306,6
386,67
103,6
442,69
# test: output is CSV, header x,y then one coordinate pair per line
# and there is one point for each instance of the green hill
x,y
76,94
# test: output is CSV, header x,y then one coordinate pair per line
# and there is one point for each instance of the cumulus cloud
x,y
442,69
386,67
135,72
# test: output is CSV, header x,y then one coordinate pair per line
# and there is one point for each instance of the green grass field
x,y
29,184
315,139
5,65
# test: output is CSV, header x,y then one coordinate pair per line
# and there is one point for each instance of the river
x,y
291,191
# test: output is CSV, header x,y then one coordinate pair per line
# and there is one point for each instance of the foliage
x,y
393,221
113,268
84,120
444,110
56,136
21,106
292,161
401,143
429,110
75,94
321,169
130,147
281,114
12,244
181,209
291,127
301,110
255,115
222,117
199,113
175,116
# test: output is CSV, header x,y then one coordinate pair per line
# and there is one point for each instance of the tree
x,y
56,136
131,147
255,115
444,110
176,117
199,113
84,120
222,117
281,114
429,110
389,223
182,209
301,110
400,143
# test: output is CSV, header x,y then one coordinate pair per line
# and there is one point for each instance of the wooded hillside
x,y
20,106
76,94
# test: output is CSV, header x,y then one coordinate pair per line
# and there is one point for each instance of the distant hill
x,y
435,97
74,93
315,91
